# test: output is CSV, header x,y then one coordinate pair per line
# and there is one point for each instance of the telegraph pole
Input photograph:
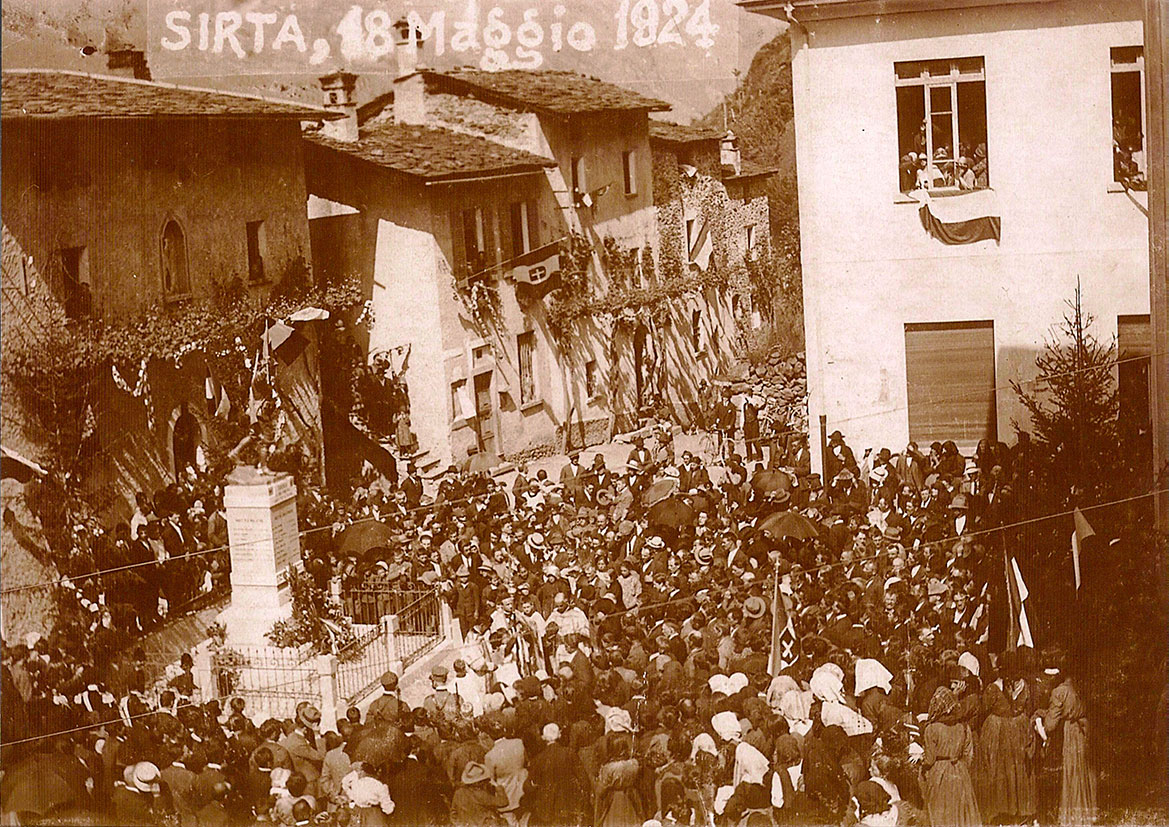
x,y
1157,137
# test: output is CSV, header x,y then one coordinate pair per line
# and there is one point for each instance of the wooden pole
x,y
824,451
1157,142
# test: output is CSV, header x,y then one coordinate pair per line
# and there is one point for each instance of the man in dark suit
x,y
571,478
411,486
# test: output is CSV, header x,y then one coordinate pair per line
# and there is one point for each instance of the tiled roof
x,y
39,93
676,133
434,154
753,171
558,92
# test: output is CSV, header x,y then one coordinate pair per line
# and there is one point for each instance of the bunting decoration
x,y
141,389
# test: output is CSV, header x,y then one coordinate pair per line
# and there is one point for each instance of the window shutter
x,y
458,248
490,247
516,236
533,225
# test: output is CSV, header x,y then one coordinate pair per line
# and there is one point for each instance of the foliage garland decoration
x,y
317,619
622,302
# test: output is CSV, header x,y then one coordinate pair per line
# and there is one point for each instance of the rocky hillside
x,y
760,113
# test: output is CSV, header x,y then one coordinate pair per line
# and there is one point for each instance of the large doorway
x,y
484,414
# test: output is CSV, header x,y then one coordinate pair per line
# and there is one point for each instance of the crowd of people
x,y
664,642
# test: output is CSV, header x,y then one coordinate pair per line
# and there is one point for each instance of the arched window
x,y
176,279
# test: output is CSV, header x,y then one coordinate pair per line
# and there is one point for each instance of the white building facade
x,y
960,169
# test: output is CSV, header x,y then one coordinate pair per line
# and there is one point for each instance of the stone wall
x,y
110,187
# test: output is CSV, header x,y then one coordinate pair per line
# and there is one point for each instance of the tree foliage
x,y
1074,408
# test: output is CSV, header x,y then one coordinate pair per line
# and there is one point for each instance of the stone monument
x,y
264,542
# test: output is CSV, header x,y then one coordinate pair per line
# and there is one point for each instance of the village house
x,y
949,208
123,195
485,179
712,208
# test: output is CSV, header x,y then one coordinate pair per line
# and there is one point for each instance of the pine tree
x,y
1074,406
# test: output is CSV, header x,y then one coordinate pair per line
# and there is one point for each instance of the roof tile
x,y
38,93
558,92
433,154
676,133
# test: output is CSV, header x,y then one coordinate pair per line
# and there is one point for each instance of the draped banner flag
x,y
537,273
960,219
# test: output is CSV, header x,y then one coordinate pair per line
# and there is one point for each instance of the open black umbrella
x,y
671,513
790,524
659,491
768,482
361,537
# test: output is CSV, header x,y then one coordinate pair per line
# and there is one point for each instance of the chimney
x,y
408,45
127,62
730,157
338,89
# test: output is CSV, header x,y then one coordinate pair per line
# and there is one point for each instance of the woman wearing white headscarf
x,y
749,804
796,708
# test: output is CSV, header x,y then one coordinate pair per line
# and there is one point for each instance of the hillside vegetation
x,y
760,112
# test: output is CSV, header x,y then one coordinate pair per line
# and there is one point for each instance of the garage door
x,y
949,369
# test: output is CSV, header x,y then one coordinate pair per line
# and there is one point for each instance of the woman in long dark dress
x,y
1004,755
949,749
1077,797
618,800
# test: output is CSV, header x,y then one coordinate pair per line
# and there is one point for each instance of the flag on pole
x,y
1020,628
784,643
260,388
217,402
1079,536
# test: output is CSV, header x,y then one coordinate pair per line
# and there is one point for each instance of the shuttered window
x,y
949,369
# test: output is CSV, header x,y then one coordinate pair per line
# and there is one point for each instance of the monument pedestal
x,y
264,541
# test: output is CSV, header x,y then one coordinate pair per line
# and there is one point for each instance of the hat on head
x,y
144,777
655,542
892,532
389,681
309,716
551,733
475,773
703,556
935,587
536,541
439,673
969,663
959,502
754,607
781,497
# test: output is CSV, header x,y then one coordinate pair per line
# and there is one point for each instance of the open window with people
x,y
1128,133
941,125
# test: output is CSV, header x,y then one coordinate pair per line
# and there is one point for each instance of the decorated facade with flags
x,y
477,206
